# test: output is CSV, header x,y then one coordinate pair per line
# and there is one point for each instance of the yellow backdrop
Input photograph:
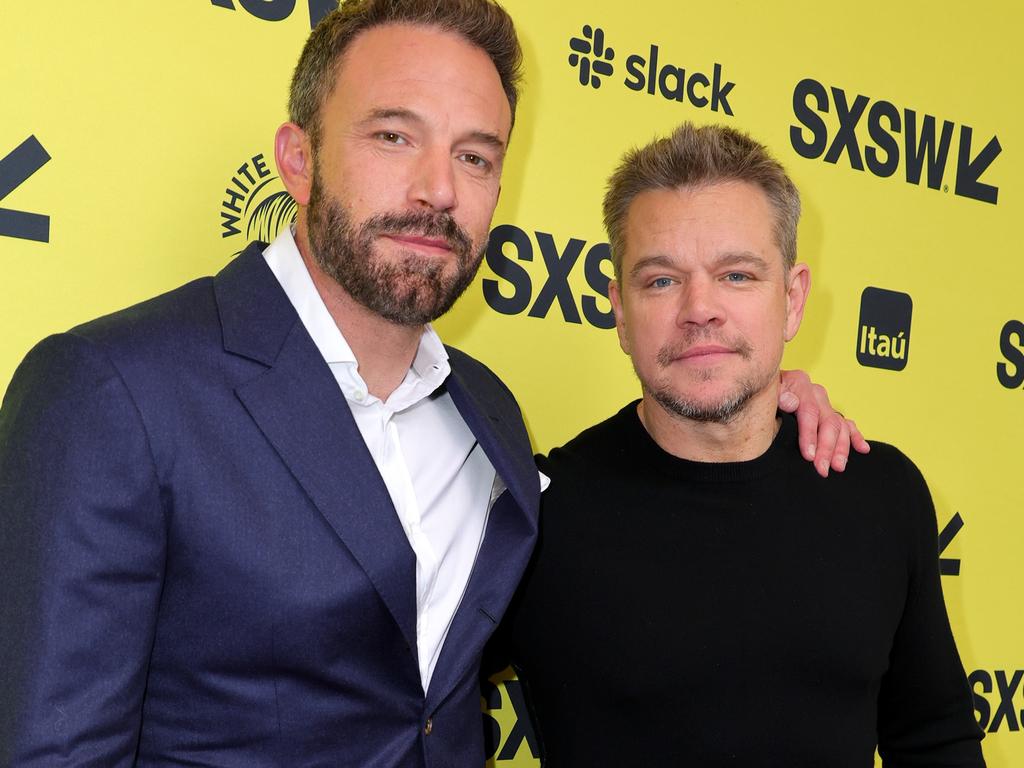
x,y
136,153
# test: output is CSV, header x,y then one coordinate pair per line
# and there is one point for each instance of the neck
x,y
743,438
384,350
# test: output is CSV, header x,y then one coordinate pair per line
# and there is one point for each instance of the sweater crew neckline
x,y
647,450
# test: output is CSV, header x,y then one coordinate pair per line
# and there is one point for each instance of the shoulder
x,y
151,342
888,483
885,464
59,368
175,317
177,324
595,449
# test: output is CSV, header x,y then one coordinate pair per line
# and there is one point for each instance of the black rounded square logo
x,y
883,334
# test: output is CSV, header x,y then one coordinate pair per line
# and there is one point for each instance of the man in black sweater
x,y
699,596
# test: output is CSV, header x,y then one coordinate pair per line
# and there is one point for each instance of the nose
x,y
699,304
433,182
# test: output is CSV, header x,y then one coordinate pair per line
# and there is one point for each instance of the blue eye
x,y
661,282
737,277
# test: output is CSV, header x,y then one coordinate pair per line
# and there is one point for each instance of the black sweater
x,y
679,613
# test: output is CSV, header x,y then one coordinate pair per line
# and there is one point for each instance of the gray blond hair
x,y
694,156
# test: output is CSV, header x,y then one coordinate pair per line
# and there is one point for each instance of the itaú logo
x,y
883,333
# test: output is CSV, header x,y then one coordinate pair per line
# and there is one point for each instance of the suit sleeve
x,y
82,536
926,715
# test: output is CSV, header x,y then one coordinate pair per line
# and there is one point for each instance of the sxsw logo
x,y
513,292
883,335
519,735
653,73
1010,371
949,566
998,699
924,154
279,10
15,169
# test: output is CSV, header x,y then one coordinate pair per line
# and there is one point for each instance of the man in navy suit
x,y
268,519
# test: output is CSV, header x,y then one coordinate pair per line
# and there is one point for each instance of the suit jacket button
x,y
428,726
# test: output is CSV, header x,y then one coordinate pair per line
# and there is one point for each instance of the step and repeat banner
x,y
136,152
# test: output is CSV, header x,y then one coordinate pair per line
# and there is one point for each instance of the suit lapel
x,y
501,435
297,405
508,539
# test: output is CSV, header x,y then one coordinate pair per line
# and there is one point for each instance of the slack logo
x,y
591,44
883,333
651,73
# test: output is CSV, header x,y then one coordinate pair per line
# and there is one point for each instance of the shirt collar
x,y
430,366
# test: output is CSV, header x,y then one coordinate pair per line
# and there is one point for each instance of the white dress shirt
x,y
441,483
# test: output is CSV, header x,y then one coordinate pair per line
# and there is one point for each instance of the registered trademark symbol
x,y
945,187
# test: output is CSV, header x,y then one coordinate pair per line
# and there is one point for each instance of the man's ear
x,y
294,156
615,297
799,285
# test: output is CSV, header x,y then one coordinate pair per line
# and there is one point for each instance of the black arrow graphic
x,y
969,171
950,566
24,160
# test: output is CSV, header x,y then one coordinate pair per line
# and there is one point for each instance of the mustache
x,y
693,336
439,225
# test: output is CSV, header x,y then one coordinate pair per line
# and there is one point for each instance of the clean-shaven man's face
x,y
704,304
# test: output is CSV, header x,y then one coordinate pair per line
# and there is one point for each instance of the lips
x,y
700,355
422,242
704,351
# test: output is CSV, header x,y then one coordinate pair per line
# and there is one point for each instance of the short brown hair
x,y
695,156
482,23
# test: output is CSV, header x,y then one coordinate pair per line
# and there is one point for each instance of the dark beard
x,y
413,291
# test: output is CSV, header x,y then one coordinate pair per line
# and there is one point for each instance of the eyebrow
x,y
741,257
727,259
649,261
403,113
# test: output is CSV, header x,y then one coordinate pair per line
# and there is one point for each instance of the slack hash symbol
x,y
23,161
592,43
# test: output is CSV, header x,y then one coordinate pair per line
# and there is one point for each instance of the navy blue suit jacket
x,y
200,564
